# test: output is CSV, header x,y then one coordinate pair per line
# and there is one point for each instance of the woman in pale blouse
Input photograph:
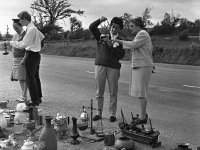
x,y
141,65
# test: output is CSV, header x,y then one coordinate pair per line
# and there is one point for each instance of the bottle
x,y
47,137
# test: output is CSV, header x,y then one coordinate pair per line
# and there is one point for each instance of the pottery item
x,y
3,104
74,133
47,137
124,142
8,144
3,122
21,106
109,138
18,127
21,117
29,145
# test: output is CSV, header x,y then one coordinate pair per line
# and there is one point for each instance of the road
x,y
68,84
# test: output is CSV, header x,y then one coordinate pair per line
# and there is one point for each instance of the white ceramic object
x,y
21,107
3,122
29,145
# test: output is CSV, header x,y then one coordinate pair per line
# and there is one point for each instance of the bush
x,y
184,36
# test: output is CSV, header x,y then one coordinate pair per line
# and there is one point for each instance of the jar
x,y
18,127
20,117
3,122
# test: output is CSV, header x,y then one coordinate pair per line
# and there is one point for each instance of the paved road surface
x,y
68,84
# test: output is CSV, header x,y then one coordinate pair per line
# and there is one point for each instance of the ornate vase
x,y
47,139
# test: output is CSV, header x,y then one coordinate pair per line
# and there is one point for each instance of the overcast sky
x,y
94,9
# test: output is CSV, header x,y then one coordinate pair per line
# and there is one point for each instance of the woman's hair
x,y
138,21
24,15
118,21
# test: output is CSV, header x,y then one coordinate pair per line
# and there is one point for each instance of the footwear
x,y
96,117
40,100
141,121
112,118
21,100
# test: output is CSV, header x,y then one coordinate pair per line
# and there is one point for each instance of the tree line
x,y
47,13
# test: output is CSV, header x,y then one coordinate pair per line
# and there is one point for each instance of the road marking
x,y
90,72
198,87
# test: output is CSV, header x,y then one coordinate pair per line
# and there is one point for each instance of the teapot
x,y
29,145
8,144
84,116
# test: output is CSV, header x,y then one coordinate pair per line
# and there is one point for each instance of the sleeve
x,y
94,29
26,40
139,41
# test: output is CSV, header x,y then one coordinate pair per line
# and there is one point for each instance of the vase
x,y
124,142
3,122
47,139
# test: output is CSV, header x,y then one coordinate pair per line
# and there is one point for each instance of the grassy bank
x,y
166,50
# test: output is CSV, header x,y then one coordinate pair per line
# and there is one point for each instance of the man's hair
x,y
24,15
118,21
138,21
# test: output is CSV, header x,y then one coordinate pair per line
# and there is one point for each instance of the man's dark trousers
x,y
33,79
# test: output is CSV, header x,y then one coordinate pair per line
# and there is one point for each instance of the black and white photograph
x,y
99,75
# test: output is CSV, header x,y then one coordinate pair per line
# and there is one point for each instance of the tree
x,y
54,10
75,24
127,18
1,37
146,17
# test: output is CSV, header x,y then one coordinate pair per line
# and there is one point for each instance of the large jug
x,y
47,137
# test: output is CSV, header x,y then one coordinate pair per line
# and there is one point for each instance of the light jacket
x,y
141,49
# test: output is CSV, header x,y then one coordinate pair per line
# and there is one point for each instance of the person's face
x,y
133,28
115,29
22,22
17,28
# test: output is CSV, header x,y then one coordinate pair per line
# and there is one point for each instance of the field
x,y
166,50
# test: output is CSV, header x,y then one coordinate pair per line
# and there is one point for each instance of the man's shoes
x,y
112,118
40,100
96,117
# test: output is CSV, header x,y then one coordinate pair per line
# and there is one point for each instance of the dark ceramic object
x,y
124,142
47,137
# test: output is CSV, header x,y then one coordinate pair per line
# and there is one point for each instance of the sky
x,y
94,9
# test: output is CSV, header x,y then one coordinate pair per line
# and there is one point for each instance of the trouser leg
x,y
113,78
100,80
23,86
32,63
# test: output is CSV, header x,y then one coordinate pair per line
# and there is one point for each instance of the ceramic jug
x,y
29,145
47,137
3,122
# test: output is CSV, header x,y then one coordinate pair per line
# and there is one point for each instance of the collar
x,y
22,32
113,36
29,25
